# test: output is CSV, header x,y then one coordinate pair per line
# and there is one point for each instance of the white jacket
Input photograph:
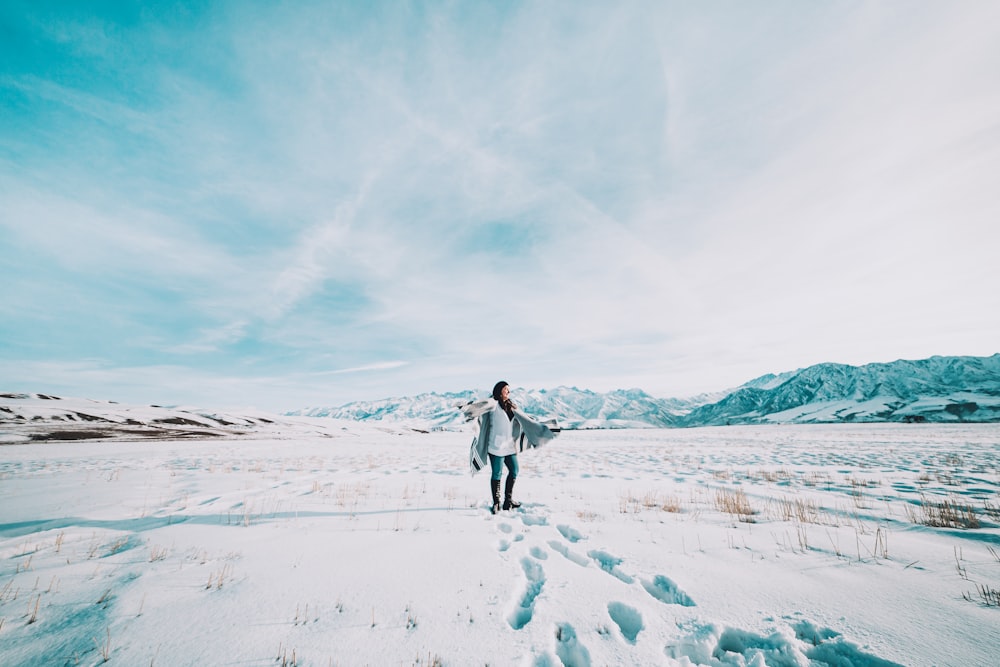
x,y
501,441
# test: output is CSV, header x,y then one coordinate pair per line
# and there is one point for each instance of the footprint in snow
x,y
564,550
525,608
570,533
534,519
569,649
628,619
809,646
610,564
666,591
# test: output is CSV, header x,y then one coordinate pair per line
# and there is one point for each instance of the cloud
x,y
381,366
575,194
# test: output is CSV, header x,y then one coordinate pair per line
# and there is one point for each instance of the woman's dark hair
x,y
508,406
497,388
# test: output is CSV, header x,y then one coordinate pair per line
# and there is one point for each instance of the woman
x,y
503,432
501,448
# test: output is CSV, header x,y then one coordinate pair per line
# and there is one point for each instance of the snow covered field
x,y
769,545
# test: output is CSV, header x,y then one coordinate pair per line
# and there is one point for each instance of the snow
x,y
335,543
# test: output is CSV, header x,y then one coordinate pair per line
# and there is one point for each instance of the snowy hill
x,y
44,418
939,389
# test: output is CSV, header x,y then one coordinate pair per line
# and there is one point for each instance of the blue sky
x,y
282,205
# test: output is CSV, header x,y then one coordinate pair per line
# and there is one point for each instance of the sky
x,y
289,204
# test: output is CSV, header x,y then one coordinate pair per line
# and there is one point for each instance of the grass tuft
x,y
735,503
33,617
988,596
949,513
104,647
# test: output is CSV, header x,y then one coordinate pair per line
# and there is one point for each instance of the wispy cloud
x,y
381,366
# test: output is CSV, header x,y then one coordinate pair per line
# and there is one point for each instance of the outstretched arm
x,y
531,432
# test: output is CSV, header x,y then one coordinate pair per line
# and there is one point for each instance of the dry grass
x,y
962,571
988,596
736,503
8,592
774,476
217,580
630,503
954,460
671,504
799,510
991,510
33,615
948,513
284,659
302,616
25,566
817,479
104,647
352,494
106,597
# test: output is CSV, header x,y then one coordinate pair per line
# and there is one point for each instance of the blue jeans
x,y
498,462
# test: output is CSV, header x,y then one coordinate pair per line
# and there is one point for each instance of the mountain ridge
x,y
935,389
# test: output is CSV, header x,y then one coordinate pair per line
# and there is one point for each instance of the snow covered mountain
x,y
429,411
938,389
573,408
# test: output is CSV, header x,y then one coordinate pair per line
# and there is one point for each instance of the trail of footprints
x,y
569,649
704,644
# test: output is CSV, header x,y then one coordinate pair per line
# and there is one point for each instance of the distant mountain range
x,y
938,389
26,418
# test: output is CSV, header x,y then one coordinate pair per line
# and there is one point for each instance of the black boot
x,y
495,492
508,501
